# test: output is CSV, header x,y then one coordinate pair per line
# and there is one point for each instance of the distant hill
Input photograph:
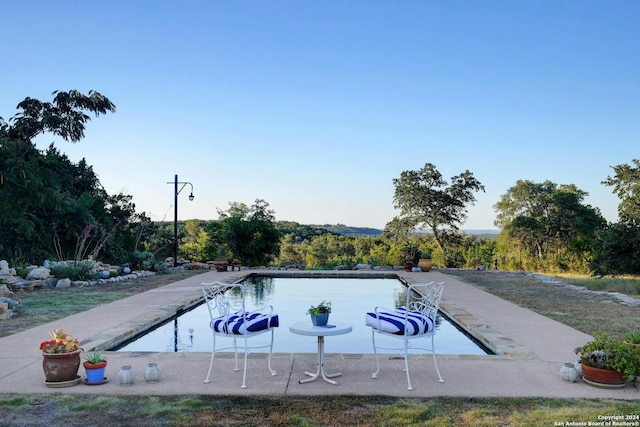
x,y
306,231
348,231
481,232
365,231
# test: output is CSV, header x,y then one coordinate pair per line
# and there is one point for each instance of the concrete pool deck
x,y
531,348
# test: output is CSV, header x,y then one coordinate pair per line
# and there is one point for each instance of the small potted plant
x,y
61,358
94,366
609,360
320,313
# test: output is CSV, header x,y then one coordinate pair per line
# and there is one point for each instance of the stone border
x,y
503,346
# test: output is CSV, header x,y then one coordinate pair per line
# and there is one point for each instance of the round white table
x,y
332,328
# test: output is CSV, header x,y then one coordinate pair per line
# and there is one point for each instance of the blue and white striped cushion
x,y
393,322
235,324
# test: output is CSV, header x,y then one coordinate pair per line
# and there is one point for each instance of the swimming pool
x,y
351,298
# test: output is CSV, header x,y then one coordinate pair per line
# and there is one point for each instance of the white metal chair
x,y
415,320
230,319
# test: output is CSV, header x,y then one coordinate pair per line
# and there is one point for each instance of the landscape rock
x,y
80,283
6,292
4,311
11,304
22,284
49,283
63,283
8,280
39,273
4,268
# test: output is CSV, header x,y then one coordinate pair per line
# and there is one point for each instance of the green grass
x,y
198,410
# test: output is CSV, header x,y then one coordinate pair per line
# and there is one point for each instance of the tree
x,y
425,199
47,201
615,251
250,232
66,117
547,226
626,185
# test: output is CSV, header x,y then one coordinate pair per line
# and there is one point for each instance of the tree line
x,y
52,208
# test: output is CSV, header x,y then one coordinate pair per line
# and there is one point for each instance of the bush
x,y
74,270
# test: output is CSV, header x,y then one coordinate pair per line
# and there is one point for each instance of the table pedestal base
x,y
320,371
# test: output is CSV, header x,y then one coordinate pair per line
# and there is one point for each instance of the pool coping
x,y
500,344
540,347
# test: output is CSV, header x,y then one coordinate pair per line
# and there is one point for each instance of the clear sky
x,y
315,106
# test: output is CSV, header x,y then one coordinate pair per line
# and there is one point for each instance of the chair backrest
x,y
223,299
425,298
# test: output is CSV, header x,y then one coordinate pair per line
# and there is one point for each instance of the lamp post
x,y
175,215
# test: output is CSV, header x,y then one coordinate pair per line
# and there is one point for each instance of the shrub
x,y
74,270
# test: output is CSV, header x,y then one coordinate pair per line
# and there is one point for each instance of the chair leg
x,y
213,352
235,353
435,361
272,371
246,354
375,351
406,363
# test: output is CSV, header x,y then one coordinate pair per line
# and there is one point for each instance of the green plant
x,y
323,308
425,255
633,337
74,270
607,352
21,271
95,358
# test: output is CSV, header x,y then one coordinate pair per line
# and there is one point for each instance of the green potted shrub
x,y
95,365
320,313
425,263
609,360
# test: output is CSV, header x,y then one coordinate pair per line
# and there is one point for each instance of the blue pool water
x,y
291,297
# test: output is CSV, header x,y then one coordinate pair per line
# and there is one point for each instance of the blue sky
x,y
315,106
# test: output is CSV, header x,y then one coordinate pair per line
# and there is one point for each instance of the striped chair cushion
x,y
393,322
235,324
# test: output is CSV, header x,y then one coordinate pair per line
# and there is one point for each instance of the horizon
x,y
467,230
315,107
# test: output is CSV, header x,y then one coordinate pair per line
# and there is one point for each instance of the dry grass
x,y
46,305
196,410
585,311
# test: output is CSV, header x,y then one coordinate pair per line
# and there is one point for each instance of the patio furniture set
x,y
413,321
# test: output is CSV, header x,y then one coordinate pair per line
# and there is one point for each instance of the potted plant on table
x,y
320,313
95,365
61,358
609,360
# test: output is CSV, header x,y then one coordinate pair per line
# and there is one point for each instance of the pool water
x,y
350,298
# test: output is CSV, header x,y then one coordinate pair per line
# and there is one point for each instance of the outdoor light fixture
x,y
175,215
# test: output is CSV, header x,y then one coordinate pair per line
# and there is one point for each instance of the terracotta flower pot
x,y
61,366
425,264
603,376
